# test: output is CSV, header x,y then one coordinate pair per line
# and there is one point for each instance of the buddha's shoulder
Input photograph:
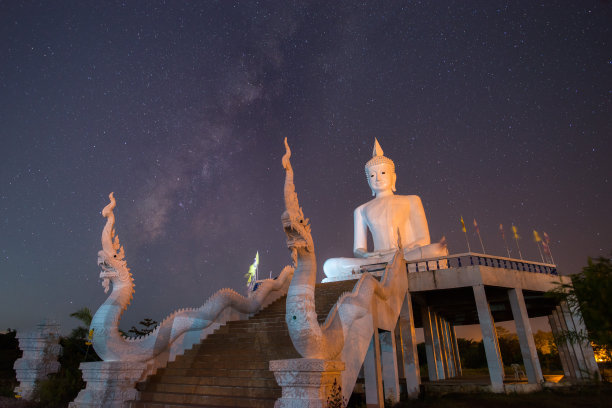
x,y
398,199
408,198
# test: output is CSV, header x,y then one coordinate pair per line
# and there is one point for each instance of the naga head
x,y
295,225
298,232
111,259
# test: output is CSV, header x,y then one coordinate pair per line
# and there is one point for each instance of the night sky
x,y
496,110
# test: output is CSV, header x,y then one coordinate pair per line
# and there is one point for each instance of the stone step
x,y
211,372
167,400
228,364
212,360
238,389
252,327
211,380
250,353
244,350
244,338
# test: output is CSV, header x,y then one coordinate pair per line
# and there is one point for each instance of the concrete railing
x,y
471,258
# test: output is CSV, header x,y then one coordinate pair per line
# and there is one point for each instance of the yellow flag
x,y
89,337
536,236
252,270
462,224
514,231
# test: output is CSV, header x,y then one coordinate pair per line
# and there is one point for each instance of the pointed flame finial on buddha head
x,y
380,171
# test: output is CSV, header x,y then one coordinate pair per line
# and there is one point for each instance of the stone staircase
x,y
230,367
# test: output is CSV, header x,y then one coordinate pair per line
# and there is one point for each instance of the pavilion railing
x,y
471,258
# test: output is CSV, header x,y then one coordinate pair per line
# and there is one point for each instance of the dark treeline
x,y
472,352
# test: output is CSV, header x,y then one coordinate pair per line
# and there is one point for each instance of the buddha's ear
x,y
393,182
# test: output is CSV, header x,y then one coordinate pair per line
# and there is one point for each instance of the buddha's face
x,y
381,179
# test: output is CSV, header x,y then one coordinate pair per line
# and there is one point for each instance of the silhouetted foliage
x,y
9,352
509,346
591,293
335,399
84,315
548,354
148,325
472,353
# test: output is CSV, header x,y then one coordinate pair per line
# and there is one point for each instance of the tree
x,y
509,346
84,315
148,326
547,351
590,296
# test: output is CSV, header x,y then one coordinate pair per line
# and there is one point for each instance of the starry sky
x,y
494,110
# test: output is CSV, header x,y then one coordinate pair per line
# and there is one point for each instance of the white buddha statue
x,y
385,216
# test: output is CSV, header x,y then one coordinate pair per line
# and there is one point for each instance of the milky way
x,y
498,111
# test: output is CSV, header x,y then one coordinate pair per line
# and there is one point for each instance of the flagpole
x,y
479,237
537,239
481,244
547,238
256,266
516,238
501,229
465,233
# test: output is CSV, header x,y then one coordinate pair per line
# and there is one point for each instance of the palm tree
x,y
84,315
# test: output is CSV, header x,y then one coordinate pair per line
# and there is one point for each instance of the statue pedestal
x,y
40,350
307,382
109,384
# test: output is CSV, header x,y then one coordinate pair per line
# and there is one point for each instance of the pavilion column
x,y
437,341
407,348
456,350
563,345
389,366
587,349
372,372
398,349
448,366
489,339
428,324
575,323
573,347
451,350
567,371
525,336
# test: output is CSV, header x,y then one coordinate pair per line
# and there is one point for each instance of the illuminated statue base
x,y
109,384
306,382
340,269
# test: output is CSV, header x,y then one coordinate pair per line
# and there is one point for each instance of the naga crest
x,y
295,225
111,259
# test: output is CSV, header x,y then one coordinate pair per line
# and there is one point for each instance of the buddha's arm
x,y
419,223
360,246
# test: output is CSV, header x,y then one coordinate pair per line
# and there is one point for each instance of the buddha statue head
x,y
380,172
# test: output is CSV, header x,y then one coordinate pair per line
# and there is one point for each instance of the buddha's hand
x,y
362,253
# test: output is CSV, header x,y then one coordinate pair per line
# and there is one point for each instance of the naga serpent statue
x,y
224,305
330,340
